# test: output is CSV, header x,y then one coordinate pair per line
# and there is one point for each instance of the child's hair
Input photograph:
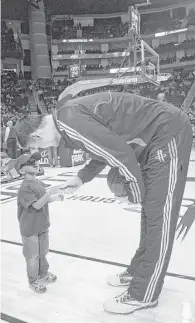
x,y
25,127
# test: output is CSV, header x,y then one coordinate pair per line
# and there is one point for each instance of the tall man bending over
x,y
149,141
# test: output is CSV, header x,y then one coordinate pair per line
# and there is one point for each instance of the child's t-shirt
x,y
32,221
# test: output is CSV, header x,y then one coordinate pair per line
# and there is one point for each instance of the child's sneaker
x,y
49,278
38,286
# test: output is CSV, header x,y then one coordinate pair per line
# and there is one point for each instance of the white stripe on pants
x,y
166,221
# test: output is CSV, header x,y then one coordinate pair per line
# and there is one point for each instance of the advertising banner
x,y
78,157
44,162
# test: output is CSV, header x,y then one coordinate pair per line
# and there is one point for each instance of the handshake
x,y
69,187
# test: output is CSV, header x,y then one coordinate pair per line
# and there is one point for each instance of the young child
x,y
33,216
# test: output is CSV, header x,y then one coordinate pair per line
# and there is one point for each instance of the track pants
x,y
164,174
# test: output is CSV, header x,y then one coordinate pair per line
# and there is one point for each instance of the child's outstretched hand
x,y
57,197
72,185
54,190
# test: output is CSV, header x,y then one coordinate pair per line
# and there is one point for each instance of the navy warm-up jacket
x,y
116,129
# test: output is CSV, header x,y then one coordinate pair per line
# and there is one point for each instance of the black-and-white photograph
x,y
97,161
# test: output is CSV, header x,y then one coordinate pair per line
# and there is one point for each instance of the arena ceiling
x,y
17,9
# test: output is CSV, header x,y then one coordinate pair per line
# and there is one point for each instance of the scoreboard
x,y
74,71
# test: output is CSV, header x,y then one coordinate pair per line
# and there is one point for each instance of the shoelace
x,y
124,273
123,297
38,284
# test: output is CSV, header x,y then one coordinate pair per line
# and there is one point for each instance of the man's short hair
x,y
25,127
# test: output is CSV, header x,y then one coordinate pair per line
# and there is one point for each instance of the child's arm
x,y
47,198
56,197
41,202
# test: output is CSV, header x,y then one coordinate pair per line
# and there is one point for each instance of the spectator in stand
x,y
52,156
10,140
188,57
3,130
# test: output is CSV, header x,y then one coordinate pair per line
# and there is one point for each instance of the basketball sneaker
x,y
48,278
38,286
122,279
125,304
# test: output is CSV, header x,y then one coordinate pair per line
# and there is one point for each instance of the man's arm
x,y
106,145
91,170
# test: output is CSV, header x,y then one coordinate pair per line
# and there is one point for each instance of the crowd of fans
x,y
64,29
62,68
188,57
94,67
173,59
106,30
173,46
13,100
15,93
191,18
175,89
114,27
116,49
17,97
99,67
168,60
159,23
8,43
93,51
66,51
103,28
162,21
112,49
91,67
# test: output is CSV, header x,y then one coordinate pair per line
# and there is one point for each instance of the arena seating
x,y
67,51
64,29
114,27
175,89
14,98
10,95
62,68
104,28
8,43
168,60
114,49
191,18
93,51
15,101
188,58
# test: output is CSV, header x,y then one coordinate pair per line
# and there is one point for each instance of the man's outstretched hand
x,y
71,186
